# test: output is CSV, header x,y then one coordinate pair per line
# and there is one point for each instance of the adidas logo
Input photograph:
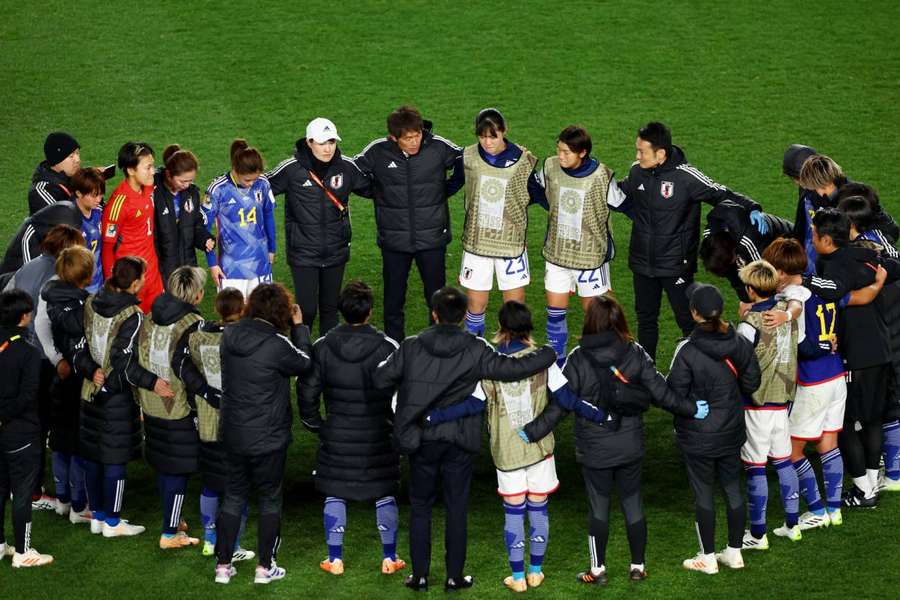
x,y
232,201
392,165
509,162
165,210
679,281
641,187
307,183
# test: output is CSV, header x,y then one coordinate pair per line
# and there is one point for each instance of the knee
x,y
598,527
633,509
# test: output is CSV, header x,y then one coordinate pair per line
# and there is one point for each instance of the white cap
x,y
320,130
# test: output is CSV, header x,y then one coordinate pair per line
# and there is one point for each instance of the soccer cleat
x,y
224,573
43,502
241,554
265,576
62,508
463,583
416,584
96,526
889,485
856,498
209,548
392,565
6,550
534,579
588,577
791,533
810,520
183,526
753,543
637,574
30,558
179,540
835,517
335,567
123,529
731,557
76,518
516,585
704,563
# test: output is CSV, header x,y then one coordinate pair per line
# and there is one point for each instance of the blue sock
x,y
757,498
335,524
475,323
387,519
833,474
209,510
77,484
172,490
539,533
892,449
809,486
113,492
557,331
790,490
514,533
61,464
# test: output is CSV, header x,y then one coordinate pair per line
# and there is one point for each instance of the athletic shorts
x,y
245,286
818,409
867,394
768,436
539,479
477,272
588,283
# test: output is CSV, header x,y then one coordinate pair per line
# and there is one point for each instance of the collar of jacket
x,y
672,161
512,347
8,332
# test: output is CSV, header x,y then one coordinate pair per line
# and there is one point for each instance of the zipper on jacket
x,y
409,203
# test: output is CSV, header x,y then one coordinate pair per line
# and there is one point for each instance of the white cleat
x,y
791,533
810,520
6,550
31,558
45,502
705,563
751,543
889,485
224,573
77,518
242,554
265,576
123,529
731,557
62,508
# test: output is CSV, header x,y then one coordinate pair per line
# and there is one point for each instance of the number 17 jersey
x,y
822,365
245,221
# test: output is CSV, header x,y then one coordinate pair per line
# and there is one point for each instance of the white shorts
x,y
818,409
245,286
589,283
538,479
477,272
767,436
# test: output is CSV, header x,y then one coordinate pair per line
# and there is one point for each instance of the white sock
x,y
872,474
863,484
639,567
598,571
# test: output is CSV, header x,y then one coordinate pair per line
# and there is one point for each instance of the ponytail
x,y
245,159
125,272
178,161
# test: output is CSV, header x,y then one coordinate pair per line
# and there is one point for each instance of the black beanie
x,y
58,146
794,157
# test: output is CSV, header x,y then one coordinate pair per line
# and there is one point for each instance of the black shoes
x,y
637,575
416,584
856,498
590,579
463,583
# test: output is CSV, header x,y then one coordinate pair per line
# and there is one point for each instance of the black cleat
x,y
591,579
416,584
463,583
637,575
856,498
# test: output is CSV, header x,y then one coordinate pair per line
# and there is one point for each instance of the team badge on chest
x,y
258,196
666,189
336,181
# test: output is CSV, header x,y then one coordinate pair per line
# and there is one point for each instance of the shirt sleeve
x,y
269,218
114,216
703,189
748,331
44,332
210,210
278,177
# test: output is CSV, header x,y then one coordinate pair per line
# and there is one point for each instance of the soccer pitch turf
x,y
737,82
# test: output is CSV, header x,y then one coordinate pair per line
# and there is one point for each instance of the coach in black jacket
x,y
316,229
50,182
662,195
179,231
409,172
731,241
435,369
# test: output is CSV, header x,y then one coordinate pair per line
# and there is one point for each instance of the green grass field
x,y
737,82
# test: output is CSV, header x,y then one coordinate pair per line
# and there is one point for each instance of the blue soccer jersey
x,y
90,229
245,221
816,362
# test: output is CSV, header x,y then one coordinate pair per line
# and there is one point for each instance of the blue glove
x,y
702,409
759,220
524,436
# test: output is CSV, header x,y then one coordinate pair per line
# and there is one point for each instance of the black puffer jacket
x,y
440,367
411,192
177,239
257,364
110,425
65,309
317,233
21,365
718,368
47,188
356,458
665,206
26,244
587,369
172,445
735,219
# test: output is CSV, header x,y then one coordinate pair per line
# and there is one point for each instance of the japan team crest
x,y
336,181
666,189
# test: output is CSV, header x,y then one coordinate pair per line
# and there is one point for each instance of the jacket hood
x,y
445,340
794,157
305,156
167,309
61,213
107,302
43,172
353,344
605,347
672,161
60,292
717,346
245,337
